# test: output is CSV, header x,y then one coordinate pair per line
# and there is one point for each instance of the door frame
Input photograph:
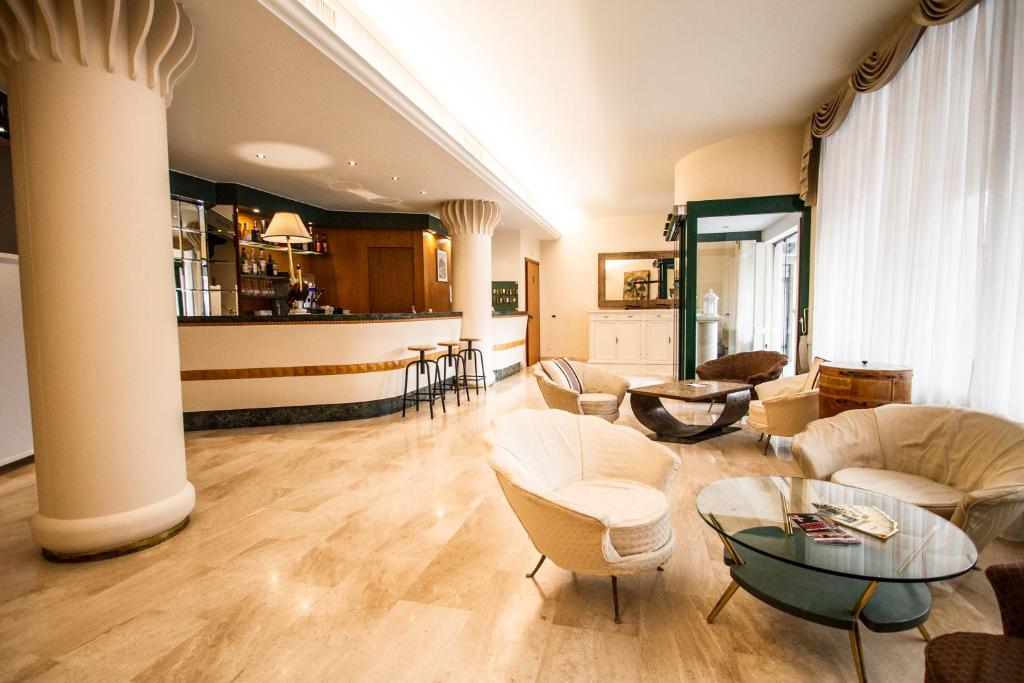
x,y
526,300
785,203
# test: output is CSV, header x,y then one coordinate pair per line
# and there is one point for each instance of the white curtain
x,y
920,222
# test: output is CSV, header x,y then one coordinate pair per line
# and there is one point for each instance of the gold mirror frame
x,y
603,302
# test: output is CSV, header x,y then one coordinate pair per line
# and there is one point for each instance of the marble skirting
x,y
328,412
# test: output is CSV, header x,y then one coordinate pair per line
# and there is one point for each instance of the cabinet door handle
x,y
616,340
669,340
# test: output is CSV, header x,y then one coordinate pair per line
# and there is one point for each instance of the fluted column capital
x,y
152,42
470,216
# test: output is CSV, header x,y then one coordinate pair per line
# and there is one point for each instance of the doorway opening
x,y
532,312
745,279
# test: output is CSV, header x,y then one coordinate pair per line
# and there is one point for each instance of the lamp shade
x,y
287,228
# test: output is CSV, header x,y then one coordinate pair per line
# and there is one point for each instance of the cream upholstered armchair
x,y
964,465
785,406
581,388
590,495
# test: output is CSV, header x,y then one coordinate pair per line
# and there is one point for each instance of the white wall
x,y
15,415
509,249
568,276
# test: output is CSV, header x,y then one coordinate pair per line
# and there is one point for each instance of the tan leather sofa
x,y
603,391
964,465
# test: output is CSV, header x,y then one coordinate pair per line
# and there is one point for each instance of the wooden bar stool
x,y
477,357
453,360
423,366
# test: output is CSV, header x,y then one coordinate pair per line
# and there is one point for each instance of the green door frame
x,y
785,203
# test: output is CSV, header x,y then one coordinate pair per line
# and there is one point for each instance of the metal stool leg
x,y
405,388
451,361
440,384
465,378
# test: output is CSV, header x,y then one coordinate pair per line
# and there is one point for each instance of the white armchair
x,y
601,394
785,406
964,465
590,495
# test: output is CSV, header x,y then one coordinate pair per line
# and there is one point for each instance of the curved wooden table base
x,y
651,413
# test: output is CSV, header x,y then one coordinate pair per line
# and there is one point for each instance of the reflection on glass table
x,y
880,583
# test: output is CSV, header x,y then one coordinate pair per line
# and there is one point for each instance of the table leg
x,y
858,659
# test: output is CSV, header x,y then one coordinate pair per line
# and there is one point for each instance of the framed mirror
x,y
637,279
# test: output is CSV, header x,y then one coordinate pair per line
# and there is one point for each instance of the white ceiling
x,y
587,103
266,90
593,101
749,223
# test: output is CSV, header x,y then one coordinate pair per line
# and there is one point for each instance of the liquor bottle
x,y
245,263
256,235
271,266
262,264
323,243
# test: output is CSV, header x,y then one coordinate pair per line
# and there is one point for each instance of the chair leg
x,y
537,568
761,438
767,443
430,391
465,377
437,373
405,390
615,597
419,371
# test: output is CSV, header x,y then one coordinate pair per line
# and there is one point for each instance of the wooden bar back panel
x,y
852,386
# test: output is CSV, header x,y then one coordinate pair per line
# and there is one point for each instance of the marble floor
x,y
383,550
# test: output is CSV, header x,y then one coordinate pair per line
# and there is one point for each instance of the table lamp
x,y
287,228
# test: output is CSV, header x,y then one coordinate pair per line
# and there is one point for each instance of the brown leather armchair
x,y
967,657
746,367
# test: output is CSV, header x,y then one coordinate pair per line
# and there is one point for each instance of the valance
x,y
874,71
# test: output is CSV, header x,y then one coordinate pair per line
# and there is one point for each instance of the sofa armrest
x,y
790,414
780,387
598,381
558,398
984,514
849,439
618,452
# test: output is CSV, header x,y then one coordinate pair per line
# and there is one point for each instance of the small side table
x,y
846,386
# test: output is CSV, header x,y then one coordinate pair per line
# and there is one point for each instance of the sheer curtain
x,y
920,226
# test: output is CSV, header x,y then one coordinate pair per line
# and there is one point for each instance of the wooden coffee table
x,y
651,413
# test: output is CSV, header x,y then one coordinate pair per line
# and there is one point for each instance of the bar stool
x,y
477,356
452,360
422,366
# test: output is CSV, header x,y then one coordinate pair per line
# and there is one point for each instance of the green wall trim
x,y
688,239
730,236
211,193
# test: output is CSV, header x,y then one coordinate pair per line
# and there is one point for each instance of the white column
x,y
471,223
89,85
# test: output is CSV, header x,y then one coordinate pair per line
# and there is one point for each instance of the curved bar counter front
x,y
246,371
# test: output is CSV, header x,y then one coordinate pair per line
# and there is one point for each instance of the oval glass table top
x,y
749,511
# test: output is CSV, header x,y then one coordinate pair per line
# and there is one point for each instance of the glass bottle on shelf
x,y
244,262
262,264
256,236
323,243
271,266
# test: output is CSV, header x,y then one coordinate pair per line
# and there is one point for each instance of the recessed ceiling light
x,y
394,177
255,210
423,191
2,129
261,155
353,162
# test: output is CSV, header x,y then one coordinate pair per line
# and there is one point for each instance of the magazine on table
x,y
864,518
820,530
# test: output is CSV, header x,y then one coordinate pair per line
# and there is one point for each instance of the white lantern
x,y
711,303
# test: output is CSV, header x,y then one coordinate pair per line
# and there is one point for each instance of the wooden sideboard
x,y
850,386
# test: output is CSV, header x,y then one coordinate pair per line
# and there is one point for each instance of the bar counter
x,y
245,371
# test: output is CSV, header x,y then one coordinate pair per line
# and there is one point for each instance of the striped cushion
x,y
562,374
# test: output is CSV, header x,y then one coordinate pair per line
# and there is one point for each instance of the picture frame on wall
x,y
442,265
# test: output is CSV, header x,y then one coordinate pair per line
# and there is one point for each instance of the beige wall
x,y
509,249
568,276
765,162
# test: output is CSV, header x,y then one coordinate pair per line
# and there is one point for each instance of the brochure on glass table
x,y
864,518
820,530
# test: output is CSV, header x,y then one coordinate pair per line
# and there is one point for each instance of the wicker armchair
x,y
592,496
967,657
747,367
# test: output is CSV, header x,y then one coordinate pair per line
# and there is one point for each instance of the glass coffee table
x,y
878,583
651,413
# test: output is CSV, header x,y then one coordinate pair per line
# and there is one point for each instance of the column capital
x,y
152,42
470,216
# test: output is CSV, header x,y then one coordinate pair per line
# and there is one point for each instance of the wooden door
x,y
532,312
392,280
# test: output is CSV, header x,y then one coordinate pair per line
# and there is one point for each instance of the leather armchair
x,y
964,465
603,391
967,657
592,496
746,367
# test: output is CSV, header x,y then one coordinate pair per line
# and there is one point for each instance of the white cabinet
x,y
632,336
